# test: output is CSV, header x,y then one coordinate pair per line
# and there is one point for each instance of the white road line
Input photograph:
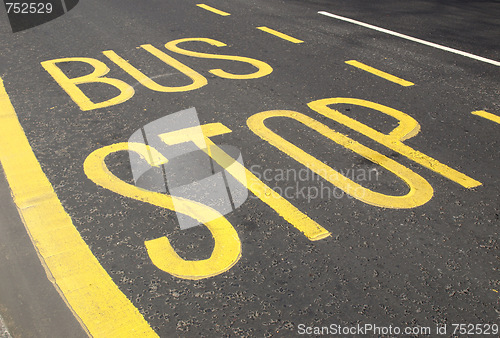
x,y
432,44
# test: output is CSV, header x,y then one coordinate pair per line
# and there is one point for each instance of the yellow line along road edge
x,y
91,294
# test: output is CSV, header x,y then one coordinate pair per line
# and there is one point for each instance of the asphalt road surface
x,y
371,156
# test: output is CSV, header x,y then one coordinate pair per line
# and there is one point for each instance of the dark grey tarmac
x,y
434,265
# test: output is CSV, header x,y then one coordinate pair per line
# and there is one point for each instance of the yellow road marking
x,y
197,79
227,245
420,191
213,10
126,91
98,75
279,34
407,128
91,294
380,73
486,115
263,68
312,230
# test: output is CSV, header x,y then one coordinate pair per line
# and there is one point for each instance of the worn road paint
x,y
407,37
407,128
213,10
312,230
420,190
91,294
486,115
263,68
279,34
197,79
380,73
71,85
227,247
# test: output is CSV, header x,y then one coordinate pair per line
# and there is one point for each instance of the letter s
x,y
227,247
263,68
